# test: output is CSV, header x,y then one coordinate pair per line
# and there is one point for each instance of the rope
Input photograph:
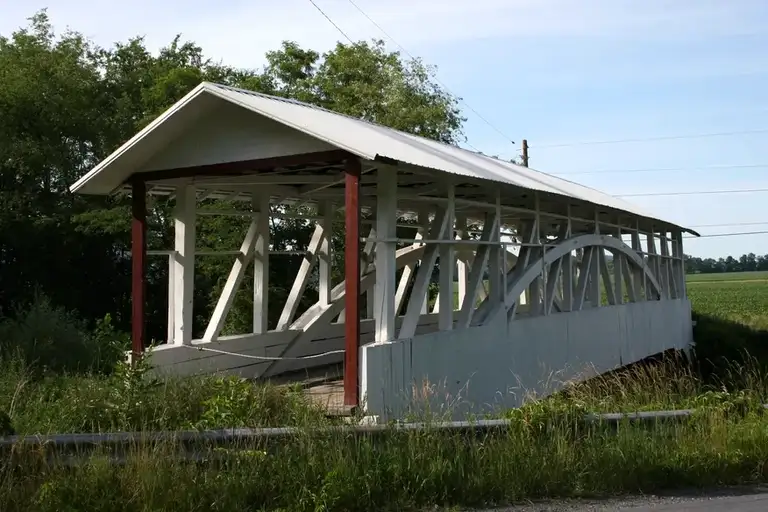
x,y
263,358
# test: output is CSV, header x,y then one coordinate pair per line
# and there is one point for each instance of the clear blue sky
x,y
551,71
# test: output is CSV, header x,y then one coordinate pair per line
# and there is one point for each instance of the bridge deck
x,y
323,385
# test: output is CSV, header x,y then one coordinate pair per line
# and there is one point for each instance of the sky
x,y
562,74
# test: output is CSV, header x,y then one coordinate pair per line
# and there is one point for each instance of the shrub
x,y
50,339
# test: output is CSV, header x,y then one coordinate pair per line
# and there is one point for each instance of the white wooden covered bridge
x,y
538,300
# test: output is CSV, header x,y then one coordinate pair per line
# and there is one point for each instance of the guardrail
x,y
77,442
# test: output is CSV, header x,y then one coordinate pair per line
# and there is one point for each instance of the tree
x,y
65,104
745,263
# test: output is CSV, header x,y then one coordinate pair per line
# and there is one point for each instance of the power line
x,y
331,21
730,224
652,139
730,234
404,50
702,192
351,42
664,169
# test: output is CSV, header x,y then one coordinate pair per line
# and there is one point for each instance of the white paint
x,y
384,290
302,278
423,275
479,264
447,265
182,361
234,279
230,133
324,254
502,364
407,275
462,269
183,263
299,128
171,332
261,264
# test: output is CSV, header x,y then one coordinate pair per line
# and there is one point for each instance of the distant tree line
x,y
746,263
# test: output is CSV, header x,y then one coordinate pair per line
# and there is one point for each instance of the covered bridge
x,y
547,277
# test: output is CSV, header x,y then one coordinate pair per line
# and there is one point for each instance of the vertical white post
x,y
594,270
324,254
653,263
538,251
461,265
425,303
408,271
677,252
171,333
567,276
638,276
495,278
386,224
261,264
665,265
184,263
618,262
447,266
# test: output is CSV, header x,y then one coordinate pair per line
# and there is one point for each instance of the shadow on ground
x,y
721,345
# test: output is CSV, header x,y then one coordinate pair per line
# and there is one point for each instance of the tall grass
x,y
548,450
543,454
128,400
666,383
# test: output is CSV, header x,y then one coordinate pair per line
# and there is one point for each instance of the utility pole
x,y
525,152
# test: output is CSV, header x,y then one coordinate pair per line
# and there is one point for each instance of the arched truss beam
x,y
312,322
486,310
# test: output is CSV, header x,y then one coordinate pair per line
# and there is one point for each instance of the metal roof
x,y
362,138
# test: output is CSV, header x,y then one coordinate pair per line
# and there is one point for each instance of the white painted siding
x,y
230,133
501,364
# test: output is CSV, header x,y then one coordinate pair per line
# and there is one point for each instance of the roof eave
x,y
81,185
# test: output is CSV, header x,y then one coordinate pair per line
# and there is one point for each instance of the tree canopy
x,y
66,103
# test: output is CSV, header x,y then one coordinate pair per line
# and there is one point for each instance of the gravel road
x,y
725,500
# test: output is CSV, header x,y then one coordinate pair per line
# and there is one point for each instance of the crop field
x,y
738,296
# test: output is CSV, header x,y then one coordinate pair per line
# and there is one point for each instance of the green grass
x,y
728,276
548,452
740,297
128,400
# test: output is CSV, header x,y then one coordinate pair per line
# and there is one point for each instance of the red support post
x,y
352,282
138,262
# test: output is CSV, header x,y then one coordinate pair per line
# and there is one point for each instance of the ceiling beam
x,y
242,167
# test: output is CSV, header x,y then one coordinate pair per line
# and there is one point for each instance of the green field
x,y
738,296
727,276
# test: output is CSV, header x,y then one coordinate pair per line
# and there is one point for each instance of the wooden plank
x,y
184,263
447,265
384,288
261,264
352,170
234,279
302,278
138,264
423,276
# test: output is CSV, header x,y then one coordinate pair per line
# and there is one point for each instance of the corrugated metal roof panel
x,y
370,141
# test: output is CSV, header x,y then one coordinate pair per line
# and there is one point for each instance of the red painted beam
x,y
352,282
138,264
